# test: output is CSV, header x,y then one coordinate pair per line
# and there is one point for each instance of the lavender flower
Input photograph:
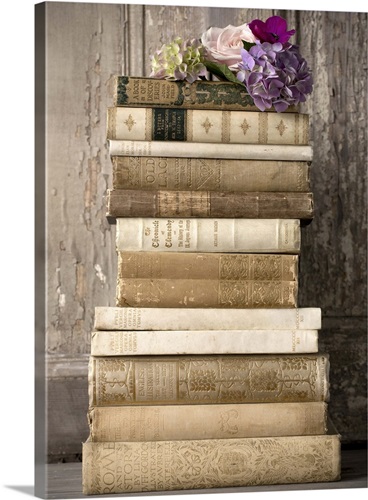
x,y
179,60
275,75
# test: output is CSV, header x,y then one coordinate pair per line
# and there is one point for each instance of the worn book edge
x,y
153,342
136,318
211,150
209,421
167,370
254,461
212,234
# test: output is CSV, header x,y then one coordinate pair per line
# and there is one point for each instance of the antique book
x,y
159,342
232,235
209,174
197,125
124,467
212,421
167,292
211,266
201,379
164,203
210,150
163,318
201,94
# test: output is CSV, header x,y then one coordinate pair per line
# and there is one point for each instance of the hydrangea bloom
x,y
179,60
275,75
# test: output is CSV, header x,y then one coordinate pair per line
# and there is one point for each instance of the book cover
x,y
163,203
210,266
209,174
149,292
142,234
201,379
161,318
211,421
156,342
124,467
201,94
213,126
210,150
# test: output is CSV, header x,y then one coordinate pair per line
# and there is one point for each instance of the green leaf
x,y
221,71
248,45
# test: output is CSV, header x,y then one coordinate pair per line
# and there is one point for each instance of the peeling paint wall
x,y
85,51
89,43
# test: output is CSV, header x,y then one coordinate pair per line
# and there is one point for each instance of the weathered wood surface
x,y
86,45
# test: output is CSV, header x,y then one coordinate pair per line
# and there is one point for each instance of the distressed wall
x,y
89,43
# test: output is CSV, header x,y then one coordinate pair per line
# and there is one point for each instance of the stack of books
x,y
206,373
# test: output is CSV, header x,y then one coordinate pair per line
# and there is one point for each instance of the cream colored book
x,y
211,421
211,150
120,343
127,467
161,318
203,379
140,234
213,126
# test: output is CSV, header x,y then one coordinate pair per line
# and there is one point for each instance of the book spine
x,y
148,292
140,203
161,318
212,126
201,379
173,422
211,150
214,266
208,235
209,174
127,467
153,342
140,91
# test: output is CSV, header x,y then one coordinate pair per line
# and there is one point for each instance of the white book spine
x,y
211,150
160,318
121,343
208,235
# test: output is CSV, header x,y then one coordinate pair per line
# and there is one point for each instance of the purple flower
x,y
273,30
275,75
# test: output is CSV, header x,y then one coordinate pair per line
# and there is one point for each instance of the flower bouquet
x,y
257,55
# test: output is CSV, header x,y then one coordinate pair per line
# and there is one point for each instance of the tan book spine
x,y
148,292
214,126
161,318
137,203
149,380
208,235
160,342
209,174
124,467
211,150
215,266
212,421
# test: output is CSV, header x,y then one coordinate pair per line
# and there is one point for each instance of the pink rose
x,y
223,45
